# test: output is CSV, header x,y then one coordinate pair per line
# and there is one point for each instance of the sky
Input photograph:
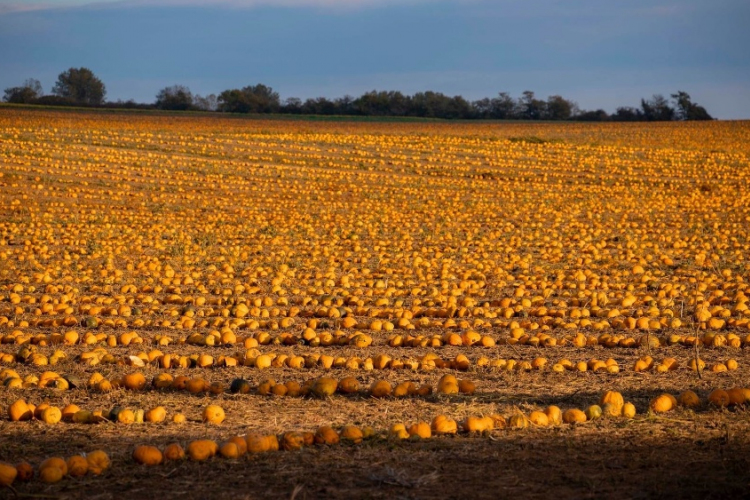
x,y
599,53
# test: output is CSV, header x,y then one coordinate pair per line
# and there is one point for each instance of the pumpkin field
x,y
202,306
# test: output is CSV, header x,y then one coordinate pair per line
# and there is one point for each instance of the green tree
x,y
30,91
207,103
251,99
558,108
504,106
657,109
80,86
531,107
685,109
176,97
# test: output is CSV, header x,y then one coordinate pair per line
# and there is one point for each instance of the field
x,y
282,269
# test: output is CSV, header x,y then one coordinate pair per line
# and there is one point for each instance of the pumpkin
x,y
348,385
293,389
518,421
174,451
126,416
155,415
662,404
216,388
82,417
554,415
539,418
326,435
466,387
39,409
593,412
78,466
202,449
498,421
689,399
292,441
179,418
448,384
240,386
279,390
19,411
573,416
162,381
380,389
264,388
98,462
241,444
55,462
736,396
213,414
258,443
443,425
51,415
698,365
147,455
424,390
180,382
263,361
324,386
612,397
69,411
351,434
25,472
398,431
50,474
8,474
611,410
196,385
628,410
719,397
421,430
134,381
404,389
229,449
478,424
104,386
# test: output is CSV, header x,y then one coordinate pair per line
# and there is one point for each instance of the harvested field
x,y
236,262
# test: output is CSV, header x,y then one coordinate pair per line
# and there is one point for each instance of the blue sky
x,y
599,53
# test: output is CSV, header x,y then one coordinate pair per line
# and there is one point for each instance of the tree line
x,y
80,87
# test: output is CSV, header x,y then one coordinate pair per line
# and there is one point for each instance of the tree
x,y
657,109
531,108
176,97
685,109
558,108
592,116
207,103
382,103
251,99
30,91
318,106
80,86
482,108
292,106
345,105
627,114
504,107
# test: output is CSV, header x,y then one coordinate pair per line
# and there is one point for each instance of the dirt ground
x,y
682,454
